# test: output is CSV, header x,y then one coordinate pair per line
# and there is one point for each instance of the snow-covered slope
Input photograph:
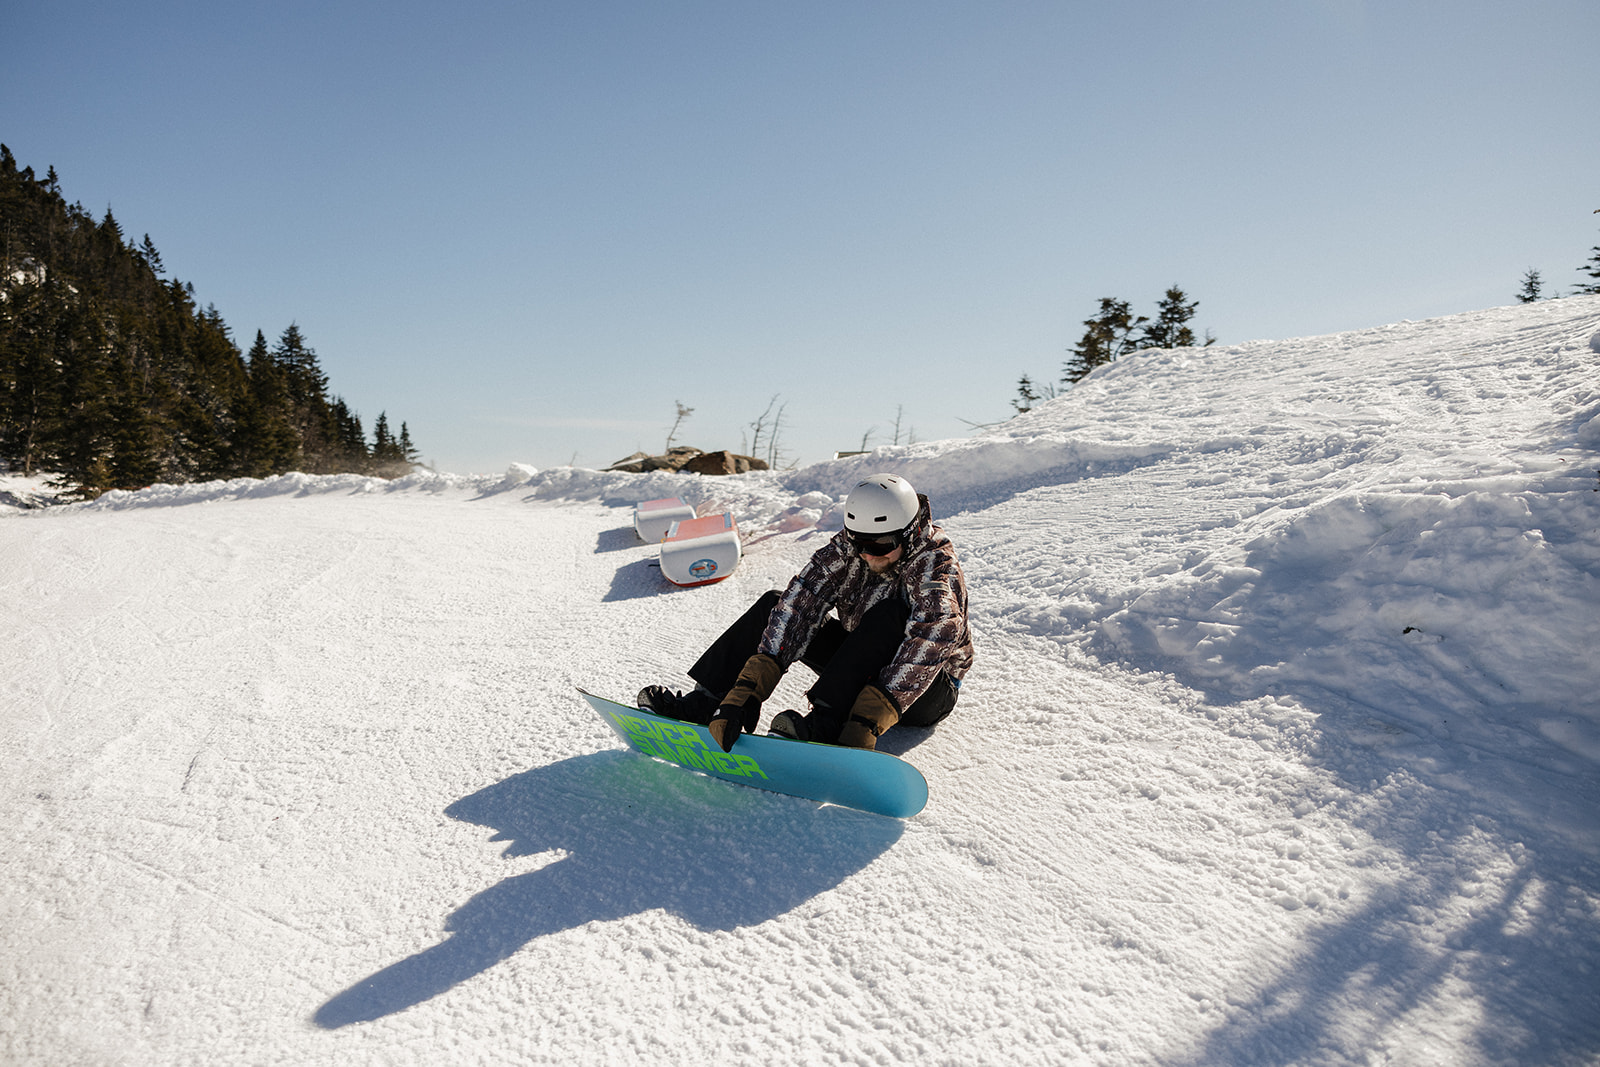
x,y
1281,748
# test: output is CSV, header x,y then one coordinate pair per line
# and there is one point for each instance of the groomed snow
x,y
1282,747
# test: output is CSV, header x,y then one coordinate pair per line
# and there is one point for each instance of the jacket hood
x,y
920,532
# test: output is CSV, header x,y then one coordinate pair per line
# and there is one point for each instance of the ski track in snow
x,y
1281,747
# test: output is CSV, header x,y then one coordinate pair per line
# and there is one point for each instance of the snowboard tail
x,y
851,777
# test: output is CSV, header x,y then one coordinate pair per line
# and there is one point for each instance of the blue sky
x,y
528,229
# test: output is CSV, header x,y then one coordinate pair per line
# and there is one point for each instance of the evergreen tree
x,y
383,443
131,462
302,373
151,256
216,384
408,451
307,388
29,377
1171,326
1532,285
389,458
1026,397
351,441
248,449
1106,337
264,439
1591,270
82,425
259,356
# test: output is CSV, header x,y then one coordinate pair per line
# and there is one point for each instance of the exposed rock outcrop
x,y
691,460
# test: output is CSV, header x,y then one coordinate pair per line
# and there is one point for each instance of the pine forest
x,y
112,377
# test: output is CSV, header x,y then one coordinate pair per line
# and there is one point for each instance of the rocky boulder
x,y
691,461
723,462
643,463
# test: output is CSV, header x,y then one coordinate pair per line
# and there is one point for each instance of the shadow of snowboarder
x,y
639,835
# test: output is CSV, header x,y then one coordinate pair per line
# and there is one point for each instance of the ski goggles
x,y
880,544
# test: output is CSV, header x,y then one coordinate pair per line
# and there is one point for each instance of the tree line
x,y
112,376
1113,333
1116,331
1533,284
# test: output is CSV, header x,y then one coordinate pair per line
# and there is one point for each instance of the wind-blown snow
x,y
1282,747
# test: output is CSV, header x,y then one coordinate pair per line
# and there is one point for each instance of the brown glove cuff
x,y
756,682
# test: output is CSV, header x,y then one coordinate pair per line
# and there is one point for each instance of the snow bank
x,y
1405,517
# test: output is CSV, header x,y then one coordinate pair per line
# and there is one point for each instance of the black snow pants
x,y
846,661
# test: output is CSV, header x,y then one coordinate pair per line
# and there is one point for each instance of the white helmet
x,y
883,504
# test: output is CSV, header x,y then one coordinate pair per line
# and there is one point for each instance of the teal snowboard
x,y
852,777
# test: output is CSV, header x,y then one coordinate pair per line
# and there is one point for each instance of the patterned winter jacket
x,y
927,579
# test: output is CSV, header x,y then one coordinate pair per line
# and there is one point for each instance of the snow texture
x,y
1282,747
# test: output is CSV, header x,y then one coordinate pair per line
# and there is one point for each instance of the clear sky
x,y
528,229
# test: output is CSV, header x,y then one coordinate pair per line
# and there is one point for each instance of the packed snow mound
x,y
1405,517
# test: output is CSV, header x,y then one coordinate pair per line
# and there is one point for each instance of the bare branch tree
x,y
760,426
977,425
683,413
775,439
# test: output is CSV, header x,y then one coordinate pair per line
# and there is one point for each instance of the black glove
x,y
728,723
740,710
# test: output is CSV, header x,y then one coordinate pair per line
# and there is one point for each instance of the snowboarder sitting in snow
x,y
896,653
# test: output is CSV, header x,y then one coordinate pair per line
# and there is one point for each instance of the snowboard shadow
x,y
638,836
641,580
636,581
618,540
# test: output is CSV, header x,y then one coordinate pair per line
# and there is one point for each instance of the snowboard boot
x,y
694,706
790,724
